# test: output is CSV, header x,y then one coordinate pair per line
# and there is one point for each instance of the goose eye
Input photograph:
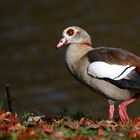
x,y
70,32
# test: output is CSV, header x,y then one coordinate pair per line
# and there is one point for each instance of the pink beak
x,y
62,43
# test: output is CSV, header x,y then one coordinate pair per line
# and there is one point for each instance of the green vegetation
x,y
67,127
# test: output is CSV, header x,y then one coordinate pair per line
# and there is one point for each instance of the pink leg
x,y
111,111
122,109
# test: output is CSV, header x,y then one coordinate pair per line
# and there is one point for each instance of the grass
x,y
65,126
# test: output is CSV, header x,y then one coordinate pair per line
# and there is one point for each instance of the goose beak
x,y
62,43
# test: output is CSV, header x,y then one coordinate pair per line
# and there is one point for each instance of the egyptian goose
x,y
113,72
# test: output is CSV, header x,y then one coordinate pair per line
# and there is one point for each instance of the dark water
x,y
29,32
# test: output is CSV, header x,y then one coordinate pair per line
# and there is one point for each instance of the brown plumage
x,y
114,56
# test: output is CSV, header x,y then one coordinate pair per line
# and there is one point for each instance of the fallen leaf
x,y
101,132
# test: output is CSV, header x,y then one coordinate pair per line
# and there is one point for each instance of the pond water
x,y
29,33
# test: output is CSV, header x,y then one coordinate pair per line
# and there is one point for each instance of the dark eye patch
x,y
70,32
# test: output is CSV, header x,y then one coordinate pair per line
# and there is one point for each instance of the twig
x,y
9,101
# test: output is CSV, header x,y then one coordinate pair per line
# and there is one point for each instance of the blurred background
x,y
29,32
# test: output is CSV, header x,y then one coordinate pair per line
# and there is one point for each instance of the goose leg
x,y
111,111
122,109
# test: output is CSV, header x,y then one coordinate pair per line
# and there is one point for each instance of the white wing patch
x,y
113,71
